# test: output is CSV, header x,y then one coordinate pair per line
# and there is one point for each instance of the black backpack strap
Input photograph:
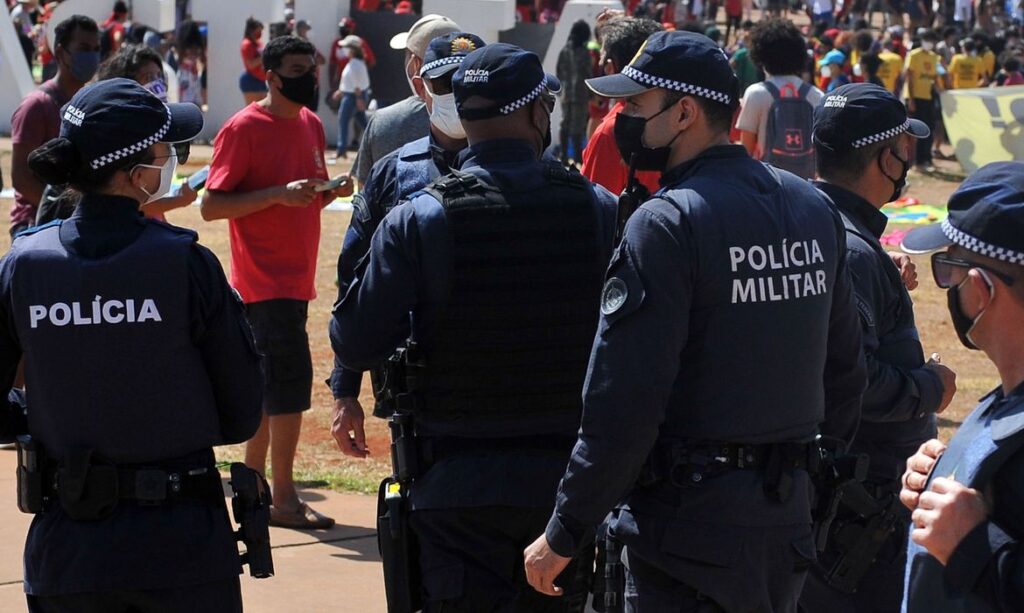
x,y
772,89
805,88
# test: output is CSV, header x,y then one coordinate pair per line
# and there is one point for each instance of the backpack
x,y
788,138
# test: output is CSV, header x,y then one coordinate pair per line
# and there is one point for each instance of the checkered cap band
x,y
979,246
679,86
142,145
444,61
518,104
881,136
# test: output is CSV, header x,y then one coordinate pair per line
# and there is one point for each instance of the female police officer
x,y
138,360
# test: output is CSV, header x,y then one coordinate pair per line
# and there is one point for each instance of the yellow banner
x,y
985,125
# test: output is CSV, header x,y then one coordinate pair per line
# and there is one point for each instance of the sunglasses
x,y
178,150
949,271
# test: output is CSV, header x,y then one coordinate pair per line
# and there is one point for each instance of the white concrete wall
x,y
15,77
323,16
226,23
485,18
158,14
574,10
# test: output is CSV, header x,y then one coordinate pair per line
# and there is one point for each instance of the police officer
x,y
392,179
728,334
864,143
500,265
965,550
138,360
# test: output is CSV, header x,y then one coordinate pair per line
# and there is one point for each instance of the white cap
x,y
422,32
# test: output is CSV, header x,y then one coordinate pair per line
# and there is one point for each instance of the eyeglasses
x,y
949,271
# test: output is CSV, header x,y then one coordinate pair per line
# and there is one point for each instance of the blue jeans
x,y
346,112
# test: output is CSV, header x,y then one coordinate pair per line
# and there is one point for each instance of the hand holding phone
x,y
333,184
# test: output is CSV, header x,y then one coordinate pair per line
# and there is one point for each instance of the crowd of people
x,y
695,349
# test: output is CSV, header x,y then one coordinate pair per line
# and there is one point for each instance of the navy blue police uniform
x,y
728,337
898,410
137,356
500,267
392,180
983,574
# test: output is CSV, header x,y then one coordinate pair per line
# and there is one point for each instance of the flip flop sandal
x,y
303,518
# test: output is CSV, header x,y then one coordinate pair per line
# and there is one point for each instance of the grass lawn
x,y
320,464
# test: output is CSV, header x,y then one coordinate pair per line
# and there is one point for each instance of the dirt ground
x,y
319,463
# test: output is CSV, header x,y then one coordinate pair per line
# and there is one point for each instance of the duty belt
x,y
154,486
688,464
434,449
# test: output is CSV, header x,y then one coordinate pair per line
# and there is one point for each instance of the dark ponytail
x,y
58,162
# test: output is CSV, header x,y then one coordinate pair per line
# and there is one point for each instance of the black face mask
x,y
898,185
300,90
961,322
629,138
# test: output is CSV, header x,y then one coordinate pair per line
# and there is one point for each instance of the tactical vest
x,y
110,363
414,170
519,323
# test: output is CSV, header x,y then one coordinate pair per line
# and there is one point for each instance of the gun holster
x,y
398,548
31,475
250,504
86,487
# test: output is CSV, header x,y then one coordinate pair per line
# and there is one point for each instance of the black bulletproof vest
x,y
109,359
519,323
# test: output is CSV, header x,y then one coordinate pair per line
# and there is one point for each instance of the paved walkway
x,y
335,570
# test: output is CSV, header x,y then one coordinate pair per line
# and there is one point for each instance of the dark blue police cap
x,y
445,53
685,62
860,114
504,75
113,119
986,216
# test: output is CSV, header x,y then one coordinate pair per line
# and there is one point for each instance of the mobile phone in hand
x,y
333,184
198,180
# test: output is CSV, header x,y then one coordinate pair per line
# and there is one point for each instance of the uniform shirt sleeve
x,y
845,375
372,318
893,394
367,214
230,163
221,332
624,399
12,419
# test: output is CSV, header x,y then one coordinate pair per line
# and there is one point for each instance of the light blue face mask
x,y
84,65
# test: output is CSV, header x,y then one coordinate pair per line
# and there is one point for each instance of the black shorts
x,y
279,327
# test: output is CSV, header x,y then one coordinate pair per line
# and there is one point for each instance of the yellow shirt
x,y
988,60
924,68
889,70
965,71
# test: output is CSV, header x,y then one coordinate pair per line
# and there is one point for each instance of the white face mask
x,y
826,71
444,116
858,71
927,45
166,178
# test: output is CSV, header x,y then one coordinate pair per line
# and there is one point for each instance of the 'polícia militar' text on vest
x,y
774,288
97,312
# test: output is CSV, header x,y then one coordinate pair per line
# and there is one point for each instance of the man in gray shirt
x,y
405,121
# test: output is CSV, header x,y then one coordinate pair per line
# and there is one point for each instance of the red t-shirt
x,y
250,51
733,8
603,164
35,121
273,251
